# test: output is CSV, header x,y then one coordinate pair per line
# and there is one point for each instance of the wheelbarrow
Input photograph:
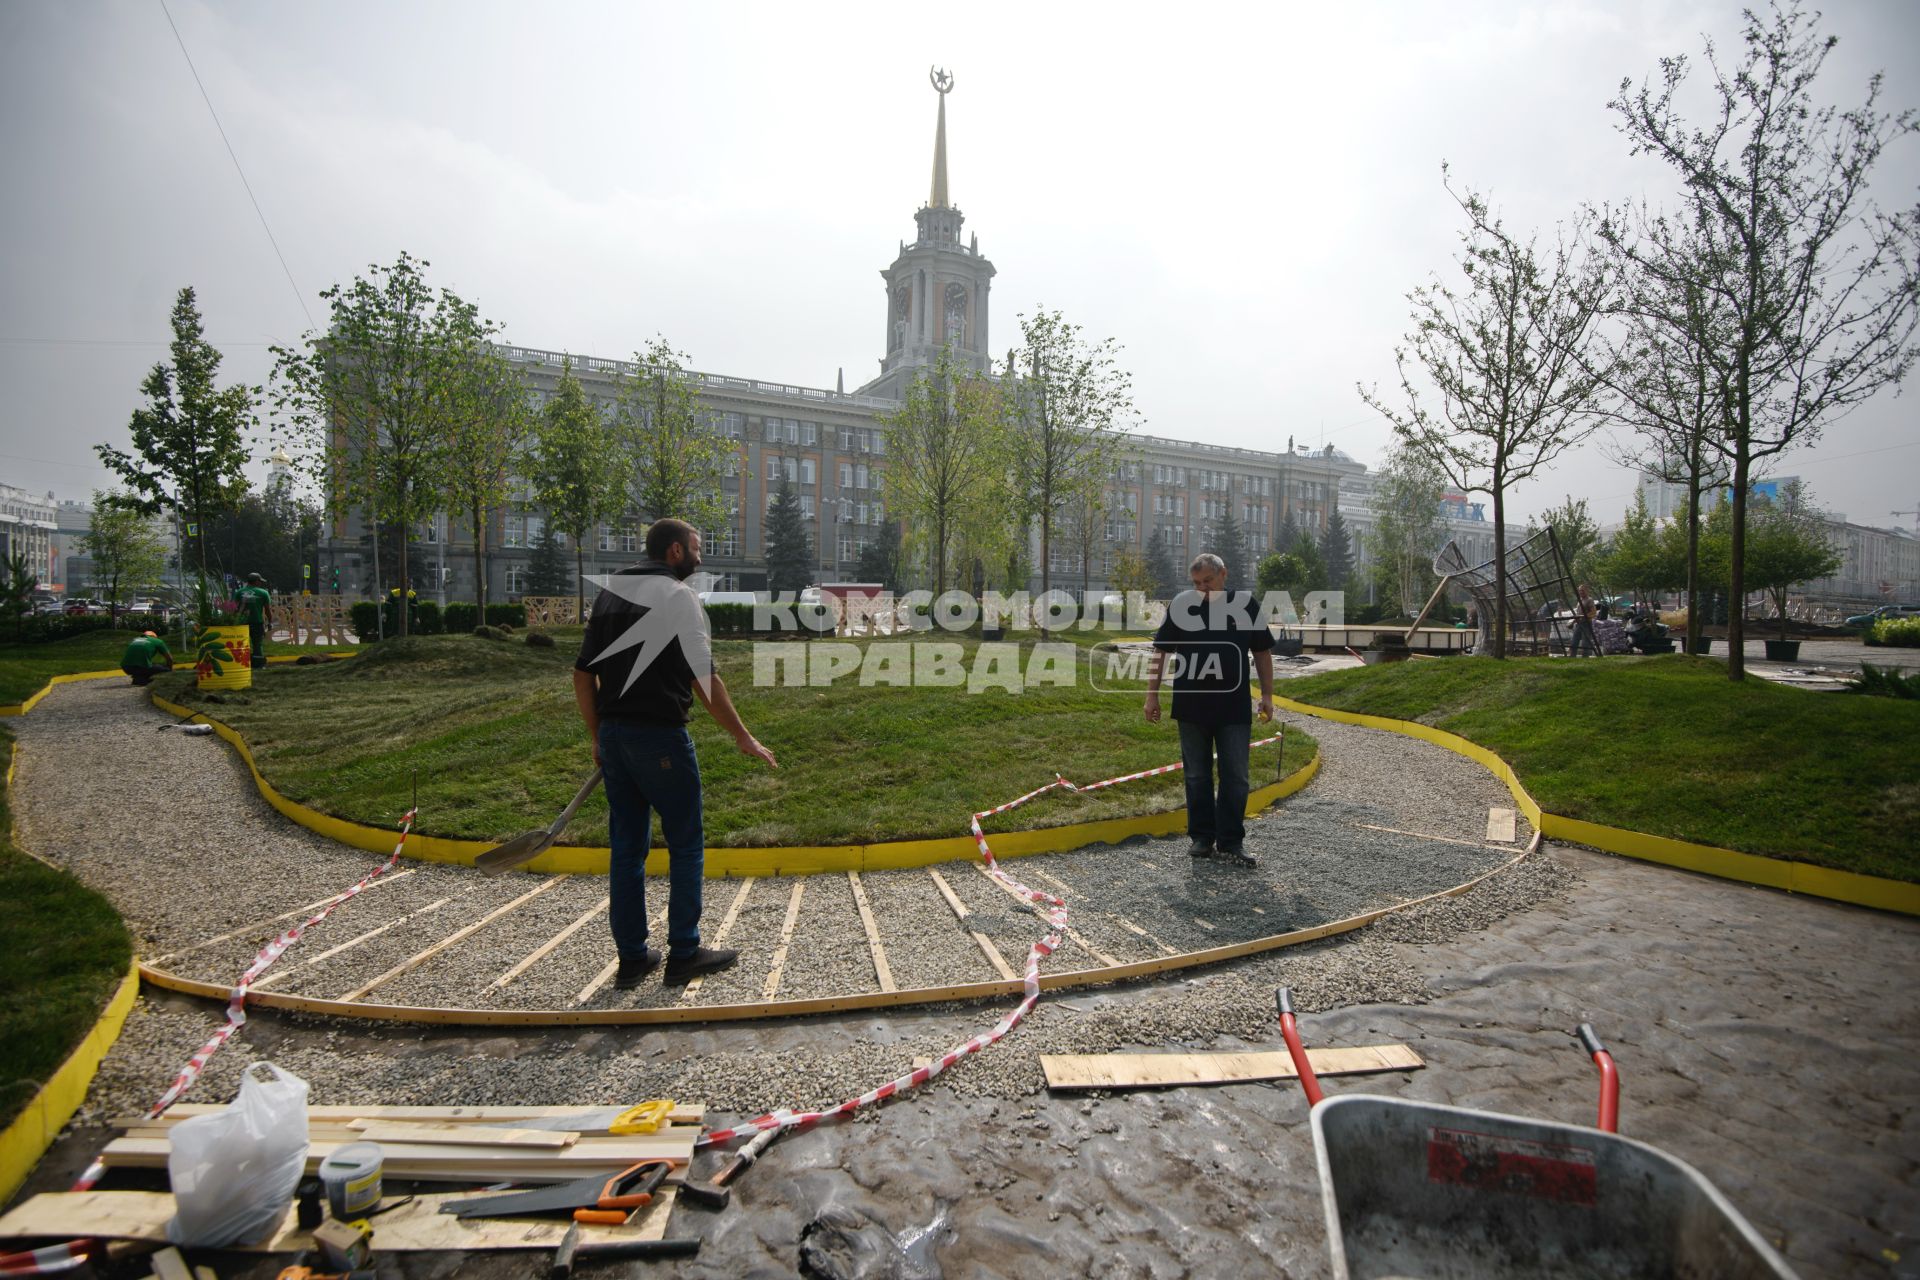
x,y
1418,1189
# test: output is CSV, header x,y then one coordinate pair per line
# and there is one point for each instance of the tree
x,y
948,464
126,552
1083,525
1807,295
790,563
1578,536
1313,567
190,440
1506,359
1787,543
1287,537
547,567
678,454
1131,573
1336,549
1282,571
577,469
382,389
17,585
1639,558
1160,563
1406,526
489,429
880,559
1069,413
1230,544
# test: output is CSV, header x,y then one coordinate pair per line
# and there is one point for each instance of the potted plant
x,y
223,652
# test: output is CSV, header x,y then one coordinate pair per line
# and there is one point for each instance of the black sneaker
x,y
703,960
632,973
1200,849
1239,857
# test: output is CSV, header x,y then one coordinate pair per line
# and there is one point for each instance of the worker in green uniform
x,y
256,605
146,656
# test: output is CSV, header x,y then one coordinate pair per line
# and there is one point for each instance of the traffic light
x,y
336,579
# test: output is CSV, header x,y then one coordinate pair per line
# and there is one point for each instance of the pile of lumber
x,y
446,1144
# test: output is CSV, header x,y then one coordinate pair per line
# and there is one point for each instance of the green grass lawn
x,y
26,668
1668,745
492,729
62,952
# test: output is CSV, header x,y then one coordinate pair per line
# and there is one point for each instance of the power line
x,y
298,296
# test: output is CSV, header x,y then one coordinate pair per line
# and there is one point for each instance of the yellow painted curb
x,y
34,1129
1728,864
71,677
791,861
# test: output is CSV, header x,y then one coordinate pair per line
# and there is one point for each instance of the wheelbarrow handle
x,y
1609,1119
1309,1083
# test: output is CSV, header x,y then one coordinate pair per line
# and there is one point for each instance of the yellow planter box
x,y
223,658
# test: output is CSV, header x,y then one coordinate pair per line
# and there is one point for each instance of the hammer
x,y
718,1194
571,1251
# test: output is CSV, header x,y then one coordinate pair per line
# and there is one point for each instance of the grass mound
x,y
62,951
1668,745
499,747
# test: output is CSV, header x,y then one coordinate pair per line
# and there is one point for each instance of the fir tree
x,y
1336,549
547,567
1230,544
789,548
880,559
1166,578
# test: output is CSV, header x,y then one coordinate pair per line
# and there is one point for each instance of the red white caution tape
x,y
74,1253
1055,913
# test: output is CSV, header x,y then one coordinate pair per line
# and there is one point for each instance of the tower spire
x,y
942,85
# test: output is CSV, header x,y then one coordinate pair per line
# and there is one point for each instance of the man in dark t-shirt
x,y
1211,639
635,681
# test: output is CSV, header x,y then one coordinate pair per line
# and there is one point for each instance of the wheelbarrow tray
x,y
1416,1189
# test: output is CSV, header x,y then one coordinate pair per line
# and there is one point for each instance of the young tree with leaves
x,y
790,561
17,585
1811,295
1083,525
1406,526
1577,535
1160,563
1131,573
190,439
880,559
127,554
1787,543
1069,412
948,461
577,469
1638,558
490,425
1496,377
678,454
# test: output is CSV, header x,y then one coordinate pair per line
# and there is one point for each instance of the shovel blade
x,y
514,853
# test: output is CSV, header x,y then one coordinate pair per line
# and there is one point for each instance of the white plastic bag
x,y
234,1172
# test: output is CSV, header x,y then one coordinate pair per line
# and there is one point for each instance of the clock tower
x,y
937,288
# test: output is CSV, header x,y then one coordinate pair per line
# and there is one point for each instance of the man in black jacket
x,y
635,681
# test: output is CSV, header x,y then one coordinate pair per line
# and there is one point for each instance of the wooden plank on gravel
x,y
284,915
419,1225
880,967
786,939
270,978
473,1161
720,934
684,1113
1500,825
552,944
960,911
981,940
459,936
1070,1071
605,976
1165,949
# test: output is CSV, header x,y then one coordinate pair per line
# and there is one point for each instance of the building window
x,y
606,538
809,433
514,532
516,579
806,471
846,475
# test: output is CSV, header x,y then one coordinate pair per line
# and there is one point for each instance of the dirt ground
x,y
1769,1040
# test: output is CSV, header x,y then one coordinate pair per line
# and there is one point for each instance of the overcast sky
x,y
1241,196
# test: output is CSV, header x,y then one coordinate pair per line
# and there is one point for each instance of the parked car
x,y
1865,620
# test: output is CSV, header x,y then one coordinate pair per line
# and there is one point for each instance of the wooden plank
x,y
683,1113
585,1156
1500,825
1423,835
992,953
981,940
720,934
284,915
458,936
1166,1070
1064,890
143,1215
1131,927
960,911
880,967
786,938
598,981
462,1134
551,945
287,972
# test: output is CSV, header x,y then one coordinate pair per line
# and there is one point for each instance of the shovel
x,y
524,849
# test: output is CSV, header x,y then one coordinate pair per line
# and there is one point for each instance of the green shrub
x,y
366,620
459,618
490,633
510,615
427,613
1902,633
1885,682
539,640
57,626
729,619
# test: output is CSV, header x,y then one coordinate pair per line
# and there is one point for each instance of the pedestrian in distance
x,y
1212,638
256,606
646,657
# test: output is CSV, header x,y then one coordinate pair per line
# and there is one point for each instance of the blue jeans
x,y
1222,821
650,767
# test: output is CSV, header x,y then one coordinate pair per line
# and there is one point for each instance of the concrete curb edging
x,y
722,863
71,677
1727,864
31,1132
